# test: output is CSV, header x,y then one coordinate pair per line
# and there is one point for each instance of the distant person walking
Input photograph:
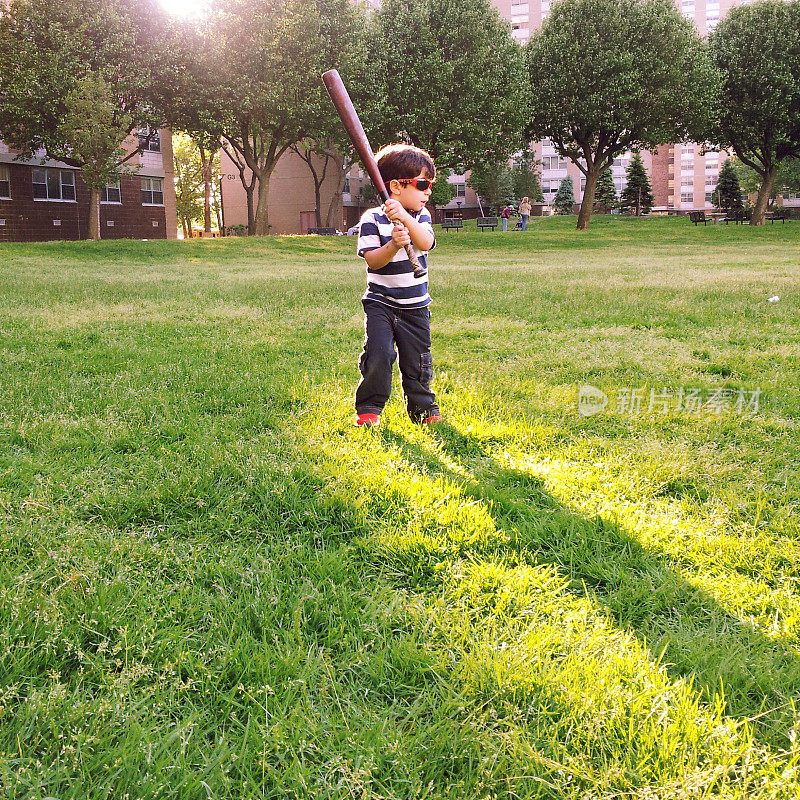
x,y
505,215
525,209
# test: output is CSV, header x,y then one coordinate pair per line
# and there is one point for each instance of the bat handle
x,y
419,270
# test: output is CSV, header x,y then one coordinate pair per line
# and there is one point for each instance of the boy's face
x,y
409,196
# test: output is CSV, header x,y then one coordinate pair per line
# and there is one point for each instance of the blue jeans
x,y
524,222
505,223
409,330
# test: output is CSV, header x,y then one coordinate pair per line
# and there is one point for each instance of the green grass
x,y
213,586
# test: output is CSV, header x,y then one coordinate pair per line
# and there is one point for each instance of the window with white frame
x,y
346,189
461,189
111,193
5,182
554,162
150,140
687,197
152,192
53,184
711,180
709,197
687,181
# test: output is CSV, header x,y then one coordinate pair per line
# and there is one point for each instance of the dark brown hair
x,y
399,161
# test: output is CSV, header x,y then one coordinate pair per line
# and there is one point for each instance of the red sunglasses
x,y
423,184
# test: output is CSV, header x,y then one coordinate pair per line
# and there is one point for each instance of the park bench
x,y
452,222
779,213
737,215
698,216
487,222
323,231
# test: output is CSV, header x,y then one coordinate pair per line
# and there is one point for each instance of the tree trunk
x,y
207,161
262,209
768,180
251,216
334,206
94,214
587,204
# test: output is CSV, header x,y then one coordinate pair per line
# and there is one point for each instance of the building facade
x,y
43,199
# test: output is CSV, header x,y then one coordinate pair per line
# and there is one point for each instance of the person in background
x,y
525,209
505,216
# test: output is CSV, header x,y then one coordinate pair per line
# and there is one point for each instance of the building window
x,y
5,182
111,193
709,197
149,140
346,189
152,192
554,162
53,184
687,181
687,197
461,189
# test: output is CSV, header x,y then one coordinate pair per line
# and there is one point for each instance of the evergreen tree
x,y
606,195
565,197
728,194
636,195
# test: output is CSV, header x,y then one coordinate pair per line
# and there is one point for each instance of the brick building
x,y
46,199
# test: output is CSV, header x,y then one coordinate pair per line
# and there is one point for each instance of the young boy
x,y
396,302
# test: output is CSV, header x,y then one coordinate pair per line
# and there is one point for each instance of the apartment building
x,y
42,199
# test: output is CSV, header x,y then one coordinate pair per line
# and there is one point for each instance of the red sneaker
x,y
433,419
367,420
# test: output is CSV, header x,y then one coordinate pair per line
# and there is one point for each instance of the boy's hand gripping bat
x,y
355,130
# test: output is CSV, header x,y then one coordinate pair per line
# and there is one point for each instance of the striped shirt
x,y
395,284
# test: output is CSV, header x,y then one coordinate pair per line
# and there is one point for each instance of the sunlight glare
x,y
185,8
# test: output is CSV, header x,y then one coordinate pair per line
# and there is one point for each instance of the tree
x,y
92,130
525,177
728,193
443,192
606,193
77,77
449,81
268,56
757,48
787,177
197,177
493,182
564,201
637,195
644,79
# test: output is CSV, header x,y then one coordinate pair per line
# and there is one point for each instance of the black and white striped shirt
x,y
394,284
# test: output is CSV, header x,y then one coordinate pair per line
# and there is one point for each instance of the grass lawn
x,y
213,586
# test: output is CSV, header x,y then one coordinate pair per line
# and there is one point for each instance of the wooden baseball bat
x,y
355,130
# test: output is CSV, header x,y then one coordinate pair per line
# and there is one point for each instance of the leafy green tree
x,y
494,183
757,50
637,195
268,56
728,192
78,77
188,182
643,79
525,177
92,130
787,177
443,192
450,80
606,193
197,174
564,200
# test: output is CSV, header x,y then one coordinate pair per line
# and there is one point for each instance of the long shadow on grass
x,y
684,627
